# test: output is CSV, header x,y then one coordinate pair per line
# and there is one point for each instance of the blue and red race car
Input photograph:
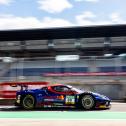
x,y
60,95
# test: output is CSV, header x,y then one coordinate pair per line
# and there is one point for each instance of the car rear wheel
x,y
28,102
87,102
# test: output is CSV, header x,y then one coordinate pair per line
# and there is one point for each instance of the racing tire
x,y
87,102
28,102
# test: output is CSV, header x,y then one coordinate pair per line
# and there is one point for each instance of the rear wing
x,y
23,86
7,90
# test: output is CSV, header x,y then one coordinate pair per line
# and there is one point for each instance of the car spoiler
x,y
22,86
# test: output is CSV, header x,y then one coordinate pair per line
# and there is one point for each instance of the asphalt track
x,y
11,116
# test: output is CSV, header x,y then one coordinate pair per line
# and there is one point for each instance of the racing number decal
x,y
70,100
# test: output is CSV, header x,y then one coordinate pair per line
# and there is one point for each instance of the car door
x,y
66,95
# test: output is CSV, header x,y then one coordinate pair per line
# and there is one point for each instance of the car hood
x,y
96,95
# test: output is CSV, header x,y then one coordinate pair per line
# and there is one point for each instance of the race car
x,y
60,95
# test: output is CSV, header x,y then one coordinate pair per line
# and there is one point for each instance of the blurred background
x,y
95,63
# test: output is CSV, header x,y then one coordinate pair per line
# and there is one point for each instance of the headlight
x,y
107,103
101,96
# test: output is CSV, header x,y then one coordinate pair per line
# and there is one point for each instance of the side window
x,y
66,89
44,88
61,89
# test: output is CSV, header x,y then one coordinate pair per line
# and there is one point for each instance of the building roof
x,y
63,33
85,41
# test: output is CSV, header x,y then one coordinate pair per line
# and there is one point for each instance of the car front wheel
x,y
87,102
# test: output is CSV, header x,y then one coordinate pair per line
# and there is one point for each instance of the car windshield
x,y
75,89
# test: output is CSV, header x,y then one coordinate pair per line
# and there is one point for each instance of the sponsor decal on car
x,y
47,106
57,104
54,98
61,97
49,99
70,99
